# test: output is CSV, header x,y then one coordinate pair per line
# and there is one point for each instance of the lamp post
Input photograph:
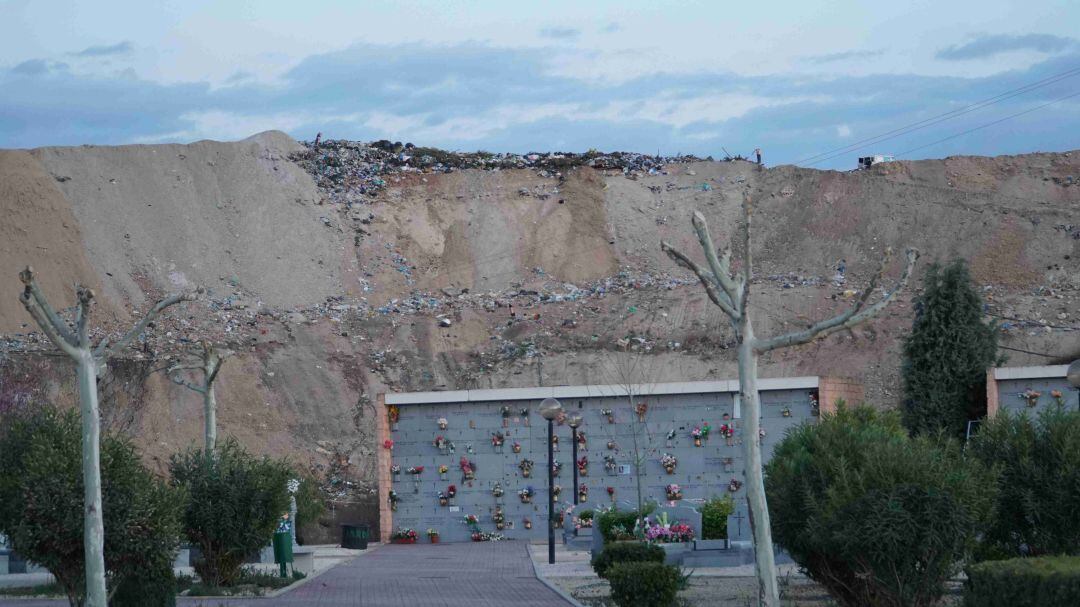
x,y
550,409
574,422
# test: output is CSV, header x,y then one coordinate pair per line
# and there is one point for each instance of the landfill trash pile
x,y
352,171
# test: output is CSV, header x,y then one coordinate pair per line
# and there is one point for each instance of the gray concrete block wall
x,y
700,473
1010,391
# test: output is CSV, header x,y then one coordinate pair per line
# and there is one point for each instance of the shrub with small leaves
x,y
41,506
714,517
876,517
235,501
1052,581
644,584
626,552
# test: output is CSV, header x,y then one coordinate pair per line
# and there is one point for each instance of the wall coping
x,y
592,391
1005,373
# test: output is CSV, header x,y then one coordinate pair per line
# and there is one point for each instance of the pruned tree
x,y
74,340
209,361
730,291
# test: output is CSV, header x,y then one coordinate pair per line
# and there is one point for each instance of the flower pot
x,y
611,445
434,539
669,469
611,419
583,472
516,448
526,473
404,540
500,526
442,426
697,442
526,500
528,524
674,496
444,501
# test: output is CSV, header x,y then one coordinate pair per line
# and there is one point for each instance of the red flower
x,y
389,444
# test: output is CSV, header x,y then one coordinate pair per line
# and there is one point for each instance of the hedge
x,y
626,552
645,584
1049,581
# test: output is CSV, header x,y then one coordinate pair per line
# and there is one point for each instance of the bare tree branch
x,y
32,290
47,326
853,316
721,267
706,278
176,379
102,352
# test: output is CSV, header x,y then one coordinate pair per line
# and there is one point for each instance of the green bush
x,y
947,354
644,584
585,515
608,520
41,503
1032,582
714,517
626,552
874,516
1039,484
310,505
148,587
235,502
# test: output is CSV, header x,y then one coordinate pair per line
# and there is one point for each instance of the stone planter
x,y
585,532
407,540
723,544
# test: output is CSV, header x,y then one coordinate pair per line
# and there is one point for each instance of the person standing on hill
x,y
757,153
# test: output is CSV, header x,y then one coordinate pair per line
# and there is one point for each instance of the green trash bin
x,y
283,550
355,537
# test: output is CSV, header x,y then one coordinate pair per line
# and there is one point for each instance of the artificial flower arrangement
x,y
393,413
1031,396
395,470
556,467
662,531
487,536
442,423
472,520
609,464
404,536
467,468
443,470
498,518
392,498
611,493
415,470
444,498
527,523
526,466
516,447
433,536
526,495
583,492
388,444
583,520
497,439
734,485
815,407
451,491
555,492
497,490
641,409
611,445
674,492
670,436
583,466
1058,398
785,412
506,411
582,441
728,432
609,414
525,415
441,443
669,461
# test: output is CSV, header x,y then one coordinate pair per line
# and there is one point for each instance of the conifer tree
x,y
947,354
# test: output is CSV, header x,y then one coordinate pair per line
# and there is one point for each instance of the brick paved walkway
x,y
473,574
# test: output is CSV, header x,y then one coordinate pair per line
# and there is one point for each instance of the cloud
x,y
120,48
844,56
560,33
990,45
477,96
611,28
239,76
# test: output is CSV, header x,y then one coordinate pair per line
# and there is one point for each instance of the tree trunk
x,y
764,559
210,417
93,522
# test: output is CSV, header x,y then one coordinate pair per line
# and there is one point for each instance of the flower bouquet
x,y
497,440
441,443
497,490
734,485
443,470
404,536
673,492
415,470
697,435
498,518
611,445
468,469
1032,397
527,522
472,521
433,536
388,445
392,498
641,409
442,423
609,465
609,414
393,413
516,447
611,493
444,498
669,461
526,495
583,492
728,432
583,466
556,467
526,466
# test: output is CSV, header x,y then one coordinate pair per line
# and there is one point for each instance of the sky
x,y
810,83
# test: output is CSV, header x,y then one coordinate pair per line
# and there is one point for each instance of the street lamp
x,y
549,410
574,422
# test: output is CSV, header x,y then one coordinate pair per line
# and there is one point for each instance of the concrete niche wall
x,y
701,471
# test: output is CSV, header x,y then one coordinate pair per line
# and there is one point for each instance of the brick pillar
x,y
384,461
991,394
832,389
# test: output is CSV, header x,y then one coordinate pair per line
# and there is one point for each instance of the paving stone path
x,y
471,574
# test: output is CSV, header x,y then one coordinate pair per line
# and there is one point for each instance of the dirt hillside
x,y
342,272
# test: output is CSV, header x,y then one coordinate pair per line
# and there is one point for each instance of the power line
x,y
989,124
915,126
